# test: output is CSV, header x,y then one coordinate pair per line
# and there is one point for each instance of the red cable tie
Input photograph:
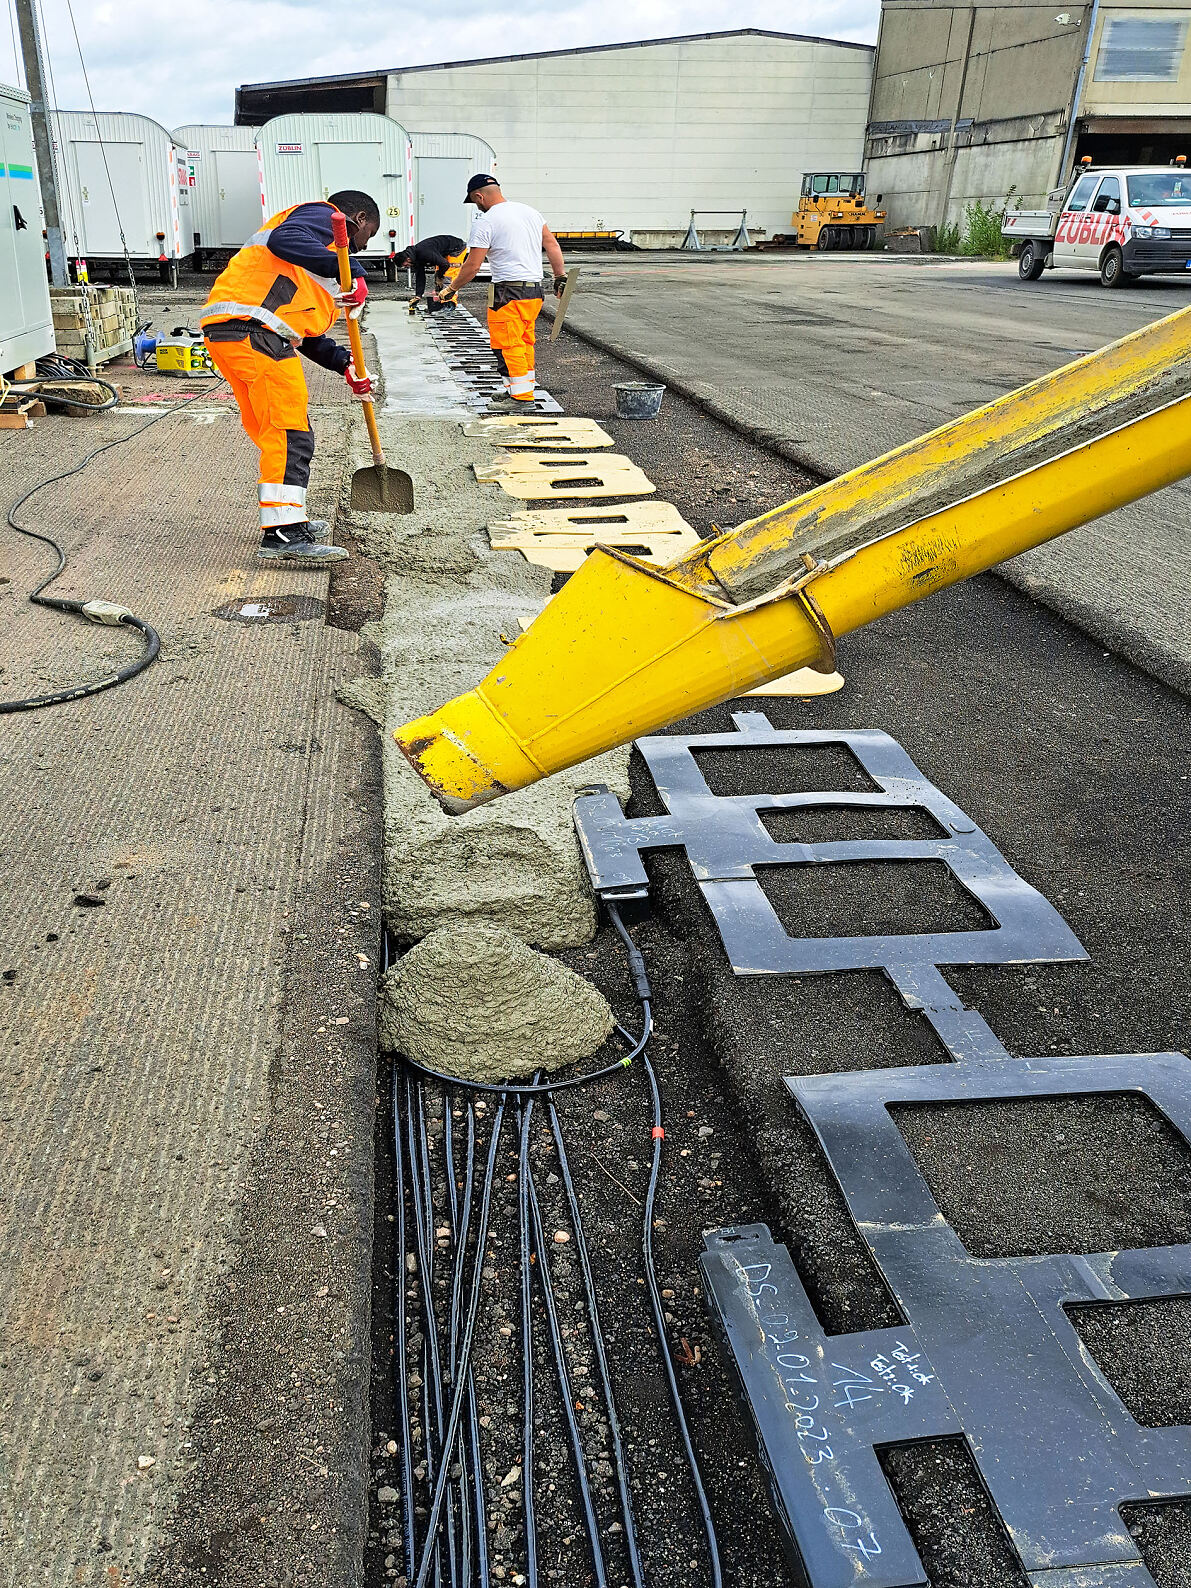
x,y
657,1133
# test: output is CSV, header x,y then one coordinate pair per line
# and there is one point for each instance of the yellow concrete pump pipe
x,y
626,648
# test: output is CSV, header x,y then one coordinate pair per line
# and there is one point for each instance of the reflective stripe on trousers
x,y
271,394
511,333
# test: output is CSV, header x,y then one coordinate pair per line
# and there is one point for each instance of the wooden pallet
x,y
18,415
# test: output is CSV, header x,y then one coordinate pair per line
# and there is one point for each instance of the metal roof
x,y
541,55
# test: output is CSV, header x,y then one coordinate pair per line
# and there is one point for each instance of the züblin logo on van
x,y
289,148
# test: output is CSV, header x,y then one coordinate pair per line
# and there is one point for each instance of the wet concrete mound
x,y
475,1001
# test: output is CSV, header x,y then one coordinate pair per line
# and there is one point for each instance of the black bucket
x,y
638,399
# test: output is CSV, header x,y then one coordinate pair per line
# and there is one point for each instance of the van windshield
x,y
1169,188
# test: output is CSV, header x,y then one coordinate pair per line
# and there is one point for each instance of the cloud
x,y
183,64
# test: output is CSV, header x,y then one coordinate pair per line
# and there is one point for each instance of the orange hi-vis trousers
x,y
511,333
266,378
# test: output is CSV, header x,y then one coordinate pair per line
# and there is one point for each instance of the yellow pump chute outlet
x,y
626,648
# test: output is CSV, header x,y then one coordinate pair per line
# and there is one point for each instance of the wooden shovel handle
x,y
339,233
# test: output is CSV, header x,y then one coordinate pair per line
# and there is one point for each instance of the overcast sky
x,y
181,62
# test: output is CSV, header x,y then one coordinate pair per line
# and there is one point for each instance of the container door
x,y
99,222
238,193
355,165
439,198
1074,228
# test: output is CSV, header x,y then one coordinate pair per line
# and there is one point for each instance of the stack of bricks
x,y
91,321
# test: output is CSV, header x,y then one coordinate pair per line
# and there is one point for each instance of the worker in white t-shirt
x,y
511,237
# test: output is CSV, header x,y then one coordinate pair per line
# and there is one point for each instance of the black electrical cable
x,y
400,1331
431,1384
57,370
460,1389
547,1086
527,1439
619,1459
586,1498
459,1221
641,980
62,604
434,1339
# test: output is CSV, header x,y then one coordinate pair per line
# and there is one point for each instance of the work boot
x,y
505,403
318,530
295,545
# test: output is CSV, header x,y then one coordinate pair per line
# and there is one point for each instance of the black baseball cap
x,y
481,179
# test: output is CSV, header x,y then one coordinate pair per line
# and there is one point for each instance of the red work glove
x,y
352,302
361,385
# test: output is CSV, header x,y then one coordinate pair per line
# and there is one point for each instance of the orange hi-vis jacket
x,y
293,300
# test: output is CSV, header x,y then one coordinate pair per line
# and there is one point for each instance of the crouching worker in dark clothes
x,y
442,254
277,298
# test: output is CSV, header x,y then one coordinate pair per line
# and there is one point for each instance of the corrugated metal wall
x,y
635,138
225,199
309,157
454,146
137,155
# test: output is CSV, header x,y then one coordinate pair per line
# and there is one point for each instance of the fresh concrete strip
x,y
453,604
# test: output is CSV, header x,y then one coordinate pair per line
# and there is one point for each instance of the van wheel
x,y
1031,262
1112,268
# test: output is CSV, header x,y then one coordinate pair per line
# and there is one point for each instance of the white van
x,y
1123,222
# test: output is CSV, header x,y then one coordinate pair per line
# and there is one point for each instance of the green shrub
x,y
947,238
982,235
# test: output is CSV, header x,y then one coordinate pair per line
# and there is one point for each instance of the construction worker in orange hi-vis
x,y
511,237
277,298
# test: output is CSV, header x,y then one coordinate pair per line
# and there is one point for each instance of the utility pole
x,y
43,138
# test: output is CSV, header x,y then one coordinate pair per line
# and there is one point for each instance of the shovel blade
x,y
379,489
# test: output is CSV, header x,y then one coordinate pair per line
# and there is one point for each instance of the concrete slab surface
x,y
834,359
189,930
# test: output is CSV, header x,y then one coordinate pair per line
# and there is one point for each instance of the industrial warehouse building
x,y
992,97
632,137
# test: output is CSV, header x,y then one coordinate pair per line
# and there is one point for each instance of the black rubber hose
x,y
61,604
527,1433
564,1385
460,1392
641,980
601,1352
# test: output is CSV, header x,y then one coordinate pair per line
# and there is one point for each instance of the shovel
x,y
378,489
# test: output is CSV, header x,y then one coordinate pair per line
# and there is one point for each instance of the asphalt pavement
x,y
834,359
1072,760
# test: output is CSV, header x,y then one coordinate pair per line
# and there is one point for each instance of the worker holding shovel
x,y
511,237
277,298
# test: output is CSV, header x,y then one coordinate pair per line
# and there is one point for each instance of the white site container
x,y
26,324
443,161
306,158
221,167
119,171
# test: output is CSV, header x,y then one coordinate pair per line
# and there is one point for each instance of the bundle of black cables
x,y
55,372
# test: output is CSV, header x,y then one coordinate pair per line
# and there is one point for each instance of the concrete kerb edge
x,y
1134,646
